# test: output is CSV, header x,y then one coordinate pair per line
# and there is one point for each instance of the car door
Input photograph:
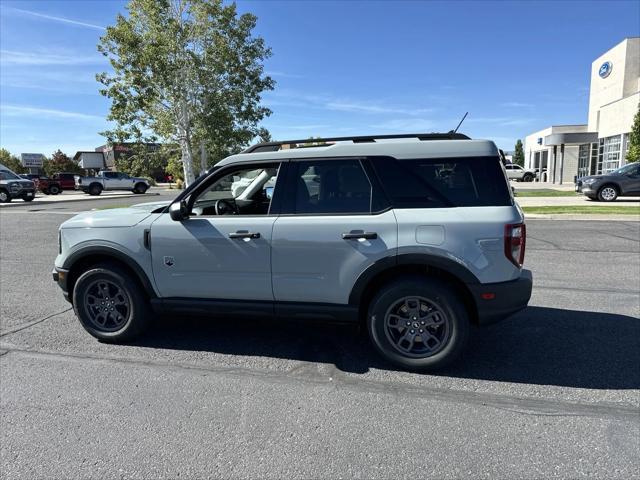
x,y
215,254
630,182
333,225
124,181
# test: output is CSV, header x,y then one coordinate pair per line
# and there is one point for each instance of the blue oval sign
x,y
605,69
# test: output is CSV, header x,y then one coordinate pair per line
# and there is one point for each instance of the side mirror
x,y
178,211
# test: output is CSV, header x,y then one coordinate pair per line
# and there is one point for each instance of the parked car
x,y
57,183
516,172
417,240
106,180
13,186
623,182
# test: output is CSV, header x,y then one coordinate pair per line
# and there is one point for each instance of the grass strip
x,y
586,209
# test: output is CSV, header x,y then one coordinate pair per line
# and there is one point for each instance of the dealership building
x,y
599,146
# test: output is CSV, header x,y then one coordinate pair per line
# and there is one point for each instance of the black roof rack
x,y
316,142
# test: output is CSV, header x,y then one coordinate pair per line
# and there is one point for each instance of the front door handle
x,y
244,234
357,235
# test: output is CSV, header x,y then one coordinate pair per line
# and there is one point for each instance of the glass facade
x,y
609,154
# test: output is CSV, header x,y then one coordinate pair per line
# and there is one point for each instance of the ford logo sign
x,y
605,69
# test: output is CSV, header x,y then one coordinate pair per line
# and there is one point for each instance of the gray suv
x,y
14,186
418,239
623,182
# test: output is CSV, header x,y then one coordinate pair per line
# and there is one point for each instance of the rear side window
x,y
331,186
443,182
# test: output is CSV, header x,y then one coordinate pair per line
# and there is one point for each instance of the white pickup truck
x,y
106,180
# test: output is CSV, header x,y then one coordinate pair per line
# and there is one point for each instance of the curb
x,y
81,199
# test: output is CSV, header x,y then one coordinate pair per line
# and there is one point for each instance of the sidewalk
x,y
73,196
578,200
565,187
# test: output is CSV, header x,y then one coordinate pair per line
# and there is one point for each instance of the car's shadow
x,y
544,346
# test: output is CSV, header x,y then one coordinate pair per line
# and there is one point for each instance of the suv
x,y
623,182
516,172
417,239
13,186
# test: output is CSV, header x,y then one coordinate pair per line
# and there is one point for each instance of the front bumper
x,y
60,276
497,301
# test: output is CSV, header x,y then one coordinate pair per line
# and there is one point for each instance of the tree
x,y
633,155
187,72
11,161
60,162
518,156
140,161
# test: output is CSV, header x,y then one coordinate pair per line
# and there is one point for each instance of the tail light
x,y
515,238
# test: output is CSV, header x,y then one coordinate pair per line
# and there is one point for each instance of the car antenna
x,y
465,116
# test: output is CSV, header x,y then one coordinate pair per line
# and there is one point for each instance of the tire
x,y
608,193
446,306
125,319
4,196
95,189
527,177
28,199
140,188
54,189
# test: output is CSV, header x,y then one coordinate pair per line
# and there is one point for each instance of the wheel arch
x,y
81,260
391,268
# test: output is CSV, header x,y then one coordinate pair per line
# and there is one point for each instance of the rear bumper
x,y
497,301
60,276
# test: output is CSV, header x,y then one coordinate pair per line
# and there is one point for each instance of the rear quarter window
x,y
443,182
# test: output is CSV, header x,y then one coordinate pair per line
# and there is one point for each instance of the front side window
x,y
331,186
242,191
7,175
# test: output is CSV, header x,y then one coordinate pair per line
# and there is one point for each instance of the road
x,y
552,392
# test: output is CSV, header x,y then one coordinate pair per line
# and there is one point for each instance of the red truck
x,y
57,183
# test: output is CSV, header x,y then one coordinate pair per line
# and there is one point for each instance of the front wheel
x,y
140,188
28,199
608,193
4,196
418,324
110,304
527,177
54,189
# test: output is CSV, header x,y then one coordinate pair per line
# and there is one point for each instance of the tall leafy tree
x,y
11,161
60,162
633,155
518,156
185,71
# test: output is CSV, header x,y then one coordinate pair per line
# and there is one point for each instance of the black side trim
x,y
111,252
420,259
262,309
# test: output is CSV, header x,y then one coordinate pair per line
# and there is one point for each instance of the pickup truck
x,y
56,183
111,181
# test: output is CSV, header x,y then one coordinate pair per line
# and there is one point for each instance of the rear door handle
x,y
244,234
355,235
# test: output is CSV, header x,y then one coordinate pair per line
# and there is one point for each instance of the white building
x,y
599,146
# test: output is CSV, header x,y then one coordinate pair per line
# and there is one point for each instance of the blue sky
x,y
342,68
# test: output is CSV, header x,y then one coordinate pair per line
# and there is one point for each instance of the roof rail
x,y
275,146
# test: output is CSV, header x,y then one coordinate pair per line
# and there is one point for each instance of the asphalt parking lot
x,y
553,391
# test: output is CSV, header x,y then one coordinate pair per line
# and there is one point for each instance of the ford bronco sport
x,y
417,238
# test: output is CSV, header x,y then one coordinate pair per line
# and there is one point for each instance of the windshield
x,y
626,169
7,175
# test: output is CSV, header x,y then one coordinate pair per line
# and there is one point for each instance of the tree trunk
x,y
203,158
187,161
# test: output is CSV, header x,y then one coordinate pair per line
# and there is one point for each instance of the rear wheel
x,y
608,193
418,324
4,196
140,188
110,304
95,189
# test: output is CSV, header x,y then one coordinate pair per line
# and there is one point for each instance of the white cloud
x,y
516,105
411,125
276,73
367,107
13,57
56,19
501,121
26,111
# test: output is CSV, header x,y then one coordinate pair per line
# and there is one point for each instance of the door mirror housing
x,y
178,211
